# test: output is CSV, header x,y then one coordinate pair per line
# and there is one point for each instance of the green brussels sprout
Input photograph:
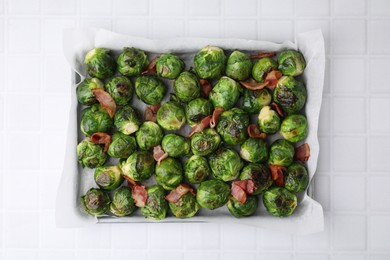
x,y
108,177
176,145
225,164
187,86
120,89
185,207
233,126
122,203
121,146
210,62
84,91
254,150
95,202
243,210
290,94
156,206
281,153
291,63
196,169
296,178
239,66
171,116
279,201
262,67
99,63
205,142
294,128
149,135
169,173
198,109
259,174
95,119
127,120
132,62
225,93
254,100
213,194
139,166
268,120
169,66
90,154
150,89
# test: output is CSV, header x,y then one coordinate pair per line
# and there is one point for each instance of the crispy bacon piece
x,y
205,87
238,192
130,182
101,138
302,153
105,100
278,109
159,154
151,69
139,195
247,185
179,192
254,132
260,55
199,127
273,77
151,112
277,174
216,113
253,84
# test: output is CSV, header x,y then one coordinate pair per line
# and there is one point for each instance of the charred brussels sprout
x,y
239,66
150,89
279,202
259,174
169,66
243,210
185,207
108,177
156,206
139,166
198,109
205,142
169,173
255,100
120,89
294,128
210,62
196,169
127,120
149,135
268,120
254,150
95,202
281,153
213,194
225,164
84,91
291,63
132,62
290,94
122,203
187,87
225,93
122,146
296,179
95,119
171,116
90,154
175,145
233,126
99,63
262,67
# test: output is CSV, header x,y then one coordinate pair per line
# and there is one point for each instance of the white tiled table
x,y
353,179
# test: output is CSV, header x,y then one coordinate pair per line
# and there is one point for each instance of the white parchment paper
x,y
75,181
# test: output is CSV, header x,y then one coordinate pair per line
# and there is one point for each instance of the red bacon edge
x,y
101,138
159,154
179,192
277,174
105,100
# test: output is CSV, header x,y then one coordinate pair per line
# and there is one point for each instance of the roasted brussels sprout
x,y
213,194
243,210
156,206
171,116
294,128
132,62
95,119
239,66
95,202
169,173
262,67
279,201
185,207
139,166
205,142
122,203
90,154
290,94
99,63
127,120
259,174
233,126
225,93
198,109
176,145
108,177
296,178
225,164
254,100
210,62
254,150
122,146
84,91
150,89
196,169
169,66
120,89
149,135
281,153
187,86
291,63
268,120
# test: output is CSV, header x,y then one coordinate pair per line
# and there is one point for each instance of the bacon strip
x,y
151,112
247,185
260,55
105,100
199,127
302,153
151,69
205,87
159,154
254,132
277,174
278,109
216,113
130,182
139,195
253,84
101,138
273,77
179,192
238,192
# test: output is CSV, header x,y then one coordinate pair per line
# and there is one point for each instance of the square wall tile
x,y
325,122
95,236
230,234
196,255
95,7
25,7
24,146
2,113
349,154
49,179
23,118
55,112
120,254
197,7
379,193
312,7
19,33
167,7
167,28
21,230
349,75
134,27
19,255
202,236
276,31
53,33
349,115
237,255
3,73
25,197
311,256
246,29
276,256
274,240
348,193
56,74
349,232
379,7
53,237
32,74
378,151
165,255
167,236
238,8
131,7
314,242
349,7
1,227
379,233
2,29
323,164
379,257
56,254
103,23
93,255
123,239
379,108
322,190
379,66
349,37
53,155
60,7
196,28
310,24
378,40
348,257
277,8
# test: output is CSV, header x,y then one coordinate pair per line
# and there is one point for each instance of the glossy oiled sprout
x,y
225,164
95,119
291,63
268,120
139,166
225,93
281,153
296,178
156,206
149,135
213,194
259,174
262,67
239,66
90,155
294,128
290,94
122,146
95,202
185,207
150,89
198,109
187,86
84,91
233,126
279,201
122,203
205,142
132,62
169,66
210,62
169,174
171,116
120,89
254,100
99,63
196,169
243,210
108,177
127,120
254,150
176,145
